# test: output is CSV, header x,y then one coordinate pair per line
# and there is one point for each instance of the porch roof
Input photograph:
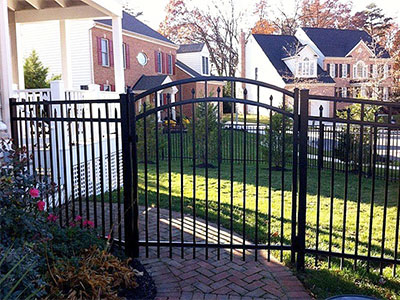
x,y
48,10
148,82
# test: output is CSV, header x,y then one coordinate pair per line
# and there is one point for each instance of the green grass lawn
x,y
250,118
323,282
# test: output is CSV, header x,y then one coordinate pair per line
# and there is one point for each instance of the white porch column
x,y
159,103
65,55
5,65
118,55
20,59
173,111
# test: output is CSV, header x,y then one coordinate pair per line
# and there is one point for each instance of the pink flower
x,y
72,224
41,205
78,218
109,237
34,192
88,223
52,218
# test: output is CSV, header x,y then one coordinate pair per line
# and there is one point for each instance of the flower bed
x,y
39,258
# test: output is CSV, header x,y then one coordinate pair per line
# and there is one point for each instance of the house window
x,y
385,71
105,53
205,64
332,71
169,62
124,54
344,70
344,92
360,70
385,93
159,62
305,68
374,71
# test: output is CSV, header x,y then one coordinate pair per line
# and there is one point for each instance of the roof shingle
x,y
339,42
132,24
277,47
145,82
188,48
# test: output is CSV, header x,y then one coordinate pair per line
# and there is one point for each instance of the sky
x,y
154,13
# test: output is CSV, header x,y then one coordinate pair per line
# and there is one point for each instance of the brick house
x,y
329,62
150,60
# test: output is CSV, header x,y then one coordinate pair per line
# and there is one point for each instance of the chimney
x,y
242,56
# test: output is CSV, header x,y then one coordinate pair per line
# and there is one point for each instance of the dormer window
x,y
205,65
360,70
306,68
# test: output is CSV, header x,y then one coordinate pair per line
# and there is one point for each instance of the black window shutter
x,y
370,70
348,70
328,68
336,70
340,70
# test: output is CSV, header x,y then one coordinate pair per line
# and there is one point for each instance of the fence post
x,y
13,123
303,132
294,172
130,218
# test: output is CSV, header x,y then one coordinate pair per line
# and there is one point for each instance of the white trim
x,y
6,84
365,45
58,13
138,36
110,7
119,74
107,52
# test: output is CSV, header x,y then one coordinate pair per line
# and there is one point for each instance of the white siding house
x,y
261,70
196,56
44,38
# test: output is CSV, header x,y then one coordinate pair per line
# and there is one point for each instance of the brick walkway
x,y
188,278
200,278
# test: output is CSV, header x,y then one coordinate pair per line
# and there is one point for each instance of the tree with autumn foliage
x,y
282,22
263,27
218,27
373,20
326,14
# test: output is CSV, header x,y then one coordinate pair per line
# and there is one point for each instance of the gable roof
x,y
278,47
339,42
188,48
130,23
187,69
145,82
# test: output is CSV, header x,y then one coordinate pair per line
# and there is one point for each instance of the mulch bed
x,y
146,289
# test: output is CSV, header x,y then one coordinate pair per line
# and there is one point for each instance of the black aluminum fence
x,y
75,144
301,185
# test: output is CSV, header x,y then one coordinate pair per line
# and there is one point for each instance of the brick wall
x,y
135,70
360,53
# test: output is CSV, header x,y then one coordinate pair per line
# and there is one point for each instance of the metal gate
x,y
163,150
258,177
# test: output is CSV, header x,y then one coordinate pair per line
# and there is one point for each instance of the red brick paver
x,y
200,278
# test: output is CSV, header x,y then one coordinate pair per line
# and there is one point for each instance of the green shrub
x,y
35,73
274,140
201,126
